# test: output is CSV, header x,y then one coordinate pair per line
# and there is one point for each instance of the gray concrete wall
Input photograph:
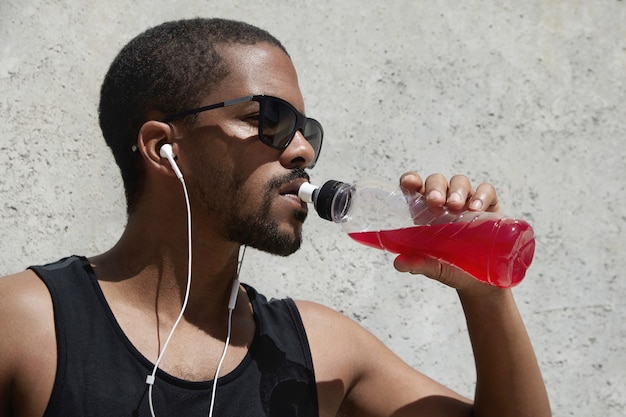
x,y
526,94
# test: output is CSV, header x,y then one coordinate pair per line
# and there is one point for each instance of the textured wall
x,y
528,95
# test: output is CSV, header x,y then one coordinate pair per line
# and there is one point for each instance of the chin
x,y
279,246
301,215
286,243
271,237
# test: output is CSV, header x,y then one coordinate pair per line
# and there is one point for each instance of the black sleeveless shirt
x,y
100,373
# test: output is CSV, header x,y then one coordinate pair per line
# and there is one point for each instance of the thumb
x,y
413,264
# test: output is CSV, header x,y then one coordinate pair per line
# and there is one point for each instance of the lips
x,y
290,183
291,187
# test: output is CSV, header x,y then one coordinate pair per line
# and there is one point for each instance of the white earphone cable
x,y
231,307
150,379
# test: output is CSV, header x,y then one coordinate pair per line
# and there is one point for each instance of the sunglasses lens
x,y
278,123
313,133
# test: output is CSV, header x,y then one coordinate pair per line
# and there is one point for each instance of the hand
x,y
457,195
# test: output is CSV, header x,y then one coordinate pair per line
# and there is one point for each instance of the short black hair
x,y
167,69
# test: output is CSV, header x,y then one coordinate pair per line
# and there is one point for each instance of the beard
x,y
260,229
263,233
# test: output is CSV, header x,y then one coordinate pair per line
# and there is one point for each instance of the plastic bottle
x,y
489,246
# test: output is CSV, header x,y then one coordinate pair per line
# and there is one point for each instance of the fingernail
x,y
476,205
434,195
454,197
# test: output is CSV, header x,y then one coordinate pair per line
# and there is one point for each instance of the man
x,y
217,103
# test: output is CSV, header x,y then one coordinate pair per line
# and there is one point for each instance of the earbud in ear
x,y
167,152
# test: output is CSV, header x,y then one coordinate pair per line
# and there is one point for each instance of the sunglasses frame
x,y
301,120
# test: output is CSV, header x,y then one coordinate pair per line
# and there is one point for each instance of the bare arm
x,y
509,381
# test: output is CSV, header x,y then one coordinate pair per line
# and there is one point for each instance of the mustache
x,y
294,174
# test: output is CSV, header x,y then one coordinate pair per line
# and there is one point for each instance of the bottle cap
x,y
306,192
327,205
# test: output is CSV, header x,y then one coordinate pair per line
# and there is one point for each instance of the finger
x,y
485,199
436,190
411,182
418,265
459,192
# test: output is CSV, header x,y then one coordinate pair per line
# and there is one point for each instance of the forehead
x,y
261,68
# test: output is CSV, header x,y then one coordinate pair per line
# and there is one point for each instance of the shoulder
x,y
27,340
316,317
329,329
319,319
26,312
341,347
23,296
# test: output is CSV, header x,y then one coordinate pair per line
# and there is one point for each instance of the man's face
x,y
243,190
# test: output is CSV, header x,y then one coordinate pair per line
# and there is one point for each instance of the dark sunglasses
x,y
278,122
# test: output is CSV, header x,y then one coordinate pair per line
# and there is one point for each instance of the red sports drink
x,y
494,251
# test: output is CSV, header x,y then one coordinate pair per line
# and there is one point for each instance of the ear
x,y
152,135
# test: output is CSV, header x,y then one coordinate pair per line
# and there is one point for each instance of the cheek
x,y
209,181
234,169
249,186
256,190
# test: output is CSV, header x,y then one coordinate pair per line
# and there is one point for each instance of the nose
x,y
299,153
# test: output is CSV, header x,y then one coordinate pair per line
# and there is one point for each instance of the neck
x,y
149,264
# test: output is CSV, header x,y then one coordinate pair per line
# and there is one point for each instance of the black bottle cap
x,y
324,200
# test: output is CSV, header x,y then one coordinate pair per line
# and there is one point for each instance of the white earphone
x,y
167,152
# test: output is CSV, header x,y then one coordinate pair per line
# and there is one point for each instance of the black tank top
x,y
100,373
